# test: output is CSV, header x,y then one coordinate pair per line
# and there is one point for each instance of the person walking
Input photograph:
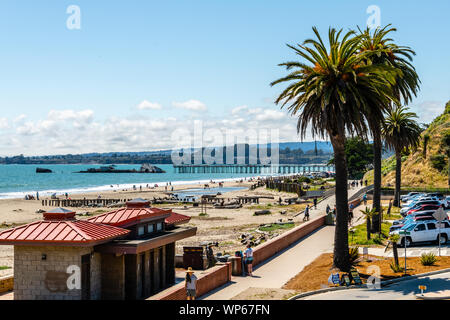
x,y
365,198
315,203
306,217
190,284
350,213
249,259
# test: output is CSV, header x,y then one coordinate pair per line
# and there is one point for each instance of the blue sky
x,y
80,90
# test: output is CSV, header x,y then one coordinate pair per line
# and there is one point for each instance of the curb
x,y
383,284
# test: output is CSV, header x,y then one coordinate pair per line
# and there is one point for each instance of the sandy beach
x,y
224,226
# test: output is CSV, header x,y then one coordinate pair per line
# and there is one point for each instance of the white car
x,y
426,231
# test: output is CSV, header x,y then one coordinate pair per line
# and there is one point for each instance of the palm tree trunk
x,y
377,146
425,145
341,259
395,250
368,227
448,157
398,178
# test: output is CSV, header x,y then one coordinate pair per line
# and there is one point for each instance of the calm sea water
x,y
18,180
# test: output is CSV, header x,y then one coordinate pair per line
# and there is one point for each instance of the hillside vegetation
x,y
416,170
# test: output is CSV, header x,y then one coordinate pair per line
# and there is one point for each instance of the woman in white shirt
x,y
249,259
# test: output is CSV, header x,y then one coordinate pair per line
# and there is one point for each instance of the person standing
x,y
190,284
306,213
315,203
249,259
365,199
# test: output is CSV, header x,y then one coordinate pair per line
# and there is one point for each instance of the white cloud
x,y
236,111
194,105
4,123
20,118
147,105
428,110
75,132
62,115
270,115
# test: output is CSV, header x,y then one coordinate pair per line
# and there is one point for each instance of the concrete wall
x,y
38,279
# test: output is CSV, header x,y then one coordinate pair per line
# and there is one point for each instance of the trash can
x,y
236,265
193,257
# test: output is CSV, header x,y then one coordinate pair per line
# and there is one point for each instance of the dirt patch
x,y
264,294
315,275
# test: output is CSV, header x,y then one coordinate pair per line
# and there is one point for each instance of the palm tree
x,y
401,132
385,51
328,93
368,213
426,139
446,144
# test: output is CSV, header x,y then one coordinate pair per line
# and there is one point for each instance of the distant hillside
x,y
417,171
290,153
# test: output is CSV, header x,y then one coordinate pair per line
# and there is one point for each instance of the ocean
x,y
18,180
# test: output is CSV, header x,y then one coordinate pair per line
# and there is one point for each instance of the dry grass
x,y
315,275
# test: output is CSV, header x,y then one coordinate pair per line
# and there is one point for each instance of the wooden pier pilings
x,y
81,202
252,168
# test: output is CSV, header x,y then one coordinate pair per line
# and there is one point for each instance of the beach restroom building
x,y
128,253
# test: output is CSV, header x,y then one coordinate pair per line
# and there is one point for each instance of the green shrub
x,y
354,255
304,179
395,267
428,259
438,162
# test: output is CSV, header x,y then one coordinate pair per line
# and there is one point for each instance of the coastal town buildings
x,y
128,253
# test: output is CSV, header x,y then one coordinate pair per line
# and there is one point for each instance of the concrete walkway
x,y
278,270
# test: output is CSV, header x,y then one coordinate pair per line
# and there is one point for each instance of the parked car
x,y
437,195
424,231
417,204
408,196
410,221
423,207
413,215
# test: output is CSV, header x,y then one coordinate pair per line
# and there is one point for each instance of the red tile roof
x,y
126,216
176,218
60,231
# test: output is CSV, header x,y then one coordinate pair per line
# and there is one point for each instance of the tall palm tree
x,y
426,139
446,144
401,132
385,51
328,93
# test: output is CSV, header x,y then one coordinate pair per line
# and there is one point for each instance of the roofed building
x,y
128,253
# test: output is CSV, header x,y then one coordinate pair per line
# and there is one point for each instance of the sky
x,y
125,75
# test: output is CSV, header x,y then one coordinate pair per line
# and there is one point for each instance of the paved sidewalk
x,y
278,270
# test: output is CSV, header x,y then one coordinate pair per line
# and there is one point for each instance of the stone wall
x,y
6,283
46,279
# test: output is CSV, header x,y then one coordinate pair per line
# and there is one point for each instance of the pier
x,y
253,168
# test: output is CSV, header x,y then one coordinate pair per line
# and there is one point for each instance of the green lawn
x,y
4,267
360,235
276,226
